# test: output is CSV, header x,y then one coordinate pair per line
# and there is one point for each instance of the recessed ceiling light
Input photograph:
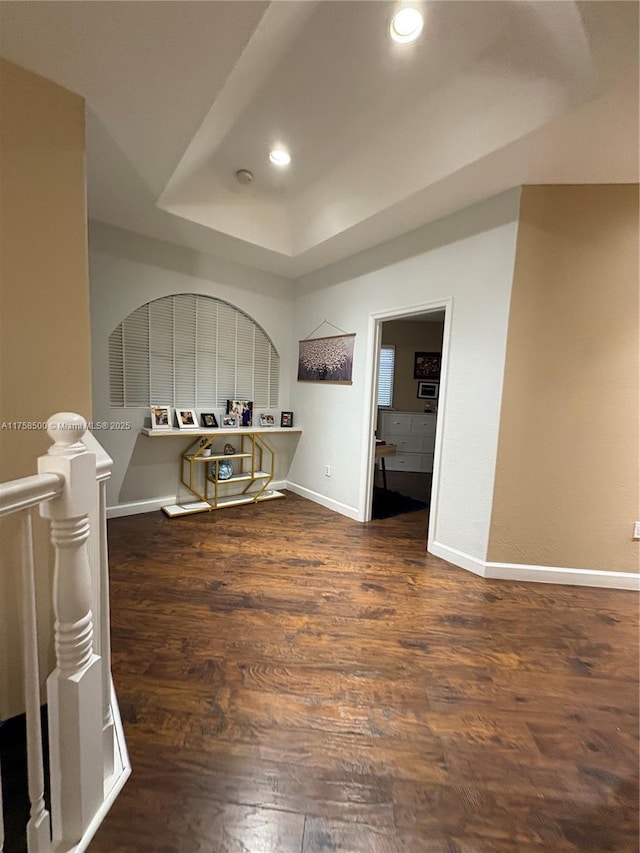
x,y
279,157
406,25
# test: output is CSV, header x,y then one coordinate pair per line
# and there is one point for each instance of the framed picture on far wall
x,y
286,419
426,365
428,390
267,420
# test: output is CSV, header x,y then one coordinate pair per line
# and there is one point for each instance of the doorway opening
x,y
409,370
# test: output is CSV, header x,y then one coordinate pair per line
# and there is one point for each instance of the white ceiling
x,y
384,137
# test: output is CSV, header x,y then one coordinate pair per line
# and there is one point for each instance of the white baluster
x,y
105,637
39,825
74,689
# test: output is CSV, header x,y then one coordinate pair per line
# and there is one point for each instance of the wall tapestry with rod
x,y
328,359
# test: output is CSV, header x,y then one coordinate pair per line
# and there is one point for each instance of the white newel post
x,y
74,689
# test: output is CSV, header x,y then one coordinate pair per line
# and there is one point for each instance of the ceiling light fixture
x,y
406,25
279,157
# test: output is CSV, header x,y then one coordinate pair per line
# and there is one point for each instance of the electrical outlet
x,y
636,530
327,470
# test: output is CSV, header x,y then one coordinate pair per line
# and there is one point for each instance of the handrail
x,y
104,463
27,492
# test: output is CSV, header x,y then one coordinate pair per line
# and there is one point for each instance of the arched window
x,y
191,350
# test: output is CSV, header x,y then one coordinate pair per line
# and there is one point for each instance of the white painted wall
x,y
467,258
127,270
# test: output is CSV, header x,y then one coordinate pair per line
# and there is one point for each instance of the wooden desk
x,y
382,451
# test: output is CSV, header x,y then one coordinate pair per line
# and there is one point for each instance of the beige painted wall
x,y
567,476
409,337
45,362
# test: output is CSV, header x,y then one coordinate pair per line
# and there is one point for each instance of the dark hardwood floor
x,y
410,483
295,682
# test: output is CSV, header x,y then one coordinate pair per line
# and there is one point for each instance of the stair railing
x,y
87,752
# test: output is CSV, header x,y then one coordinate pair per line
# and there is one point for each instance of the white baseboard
x,y
138,507
561,574
536,574
154,504
458,558
316,497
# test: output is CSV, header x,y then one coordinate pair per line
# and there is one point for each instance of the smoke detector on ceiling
x,y
244,176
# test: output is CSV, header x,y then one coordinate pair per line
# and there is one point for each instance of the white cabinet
x,y
414,435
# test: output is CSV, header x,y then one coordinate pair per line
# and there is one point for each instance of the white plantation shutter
x,y
116,366
184,349
245,329
161,350
385,375
207,369
135,357
261,373
191,350
274,376
226,353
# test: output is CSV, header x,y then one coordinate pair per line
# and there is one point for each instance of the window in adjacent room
x,y
385,375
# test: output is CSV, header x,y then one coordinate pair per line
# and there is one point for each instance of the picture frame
x,y
426,365
267,420
326,359
187,418
161,417
230,421
428,390
208,420
286,419
243,409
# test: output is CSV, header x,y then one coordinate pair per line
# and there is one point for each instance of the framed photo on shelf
x,y
230,421
426,365
161,417
243,409
208,420
187,418
267,420
428,390
286,419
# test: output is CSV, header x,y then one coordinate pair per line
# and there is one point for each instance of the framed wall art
x,y
426,365
428,390
326,359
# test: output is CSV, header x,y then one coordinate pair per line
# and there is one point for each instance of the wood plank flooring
x,y
295,682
